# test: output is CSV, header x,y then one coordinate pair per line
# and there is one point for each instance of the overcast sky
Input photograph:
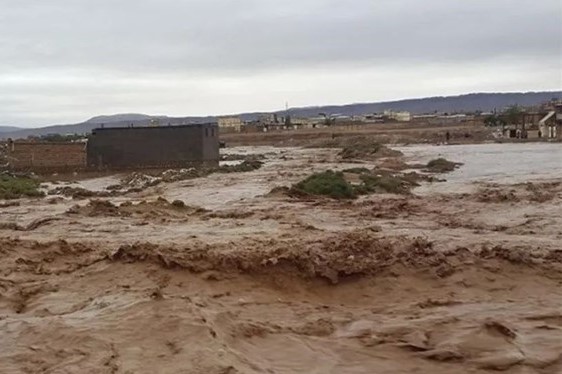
x,y
63,61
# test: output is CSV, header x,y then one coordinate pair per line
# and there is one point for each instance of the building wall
x,y
305,122
398,116
46,156
234,123
210,142
268,118
146,147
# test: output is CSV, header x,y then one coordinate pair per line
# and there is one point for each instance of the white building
x,y
398,116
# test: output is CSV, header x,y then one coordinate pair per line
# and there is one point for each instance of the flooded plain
x,y
221,275
496,163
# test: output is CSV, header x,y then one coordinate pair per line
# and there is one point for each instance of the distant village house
x,y
230,124
398,116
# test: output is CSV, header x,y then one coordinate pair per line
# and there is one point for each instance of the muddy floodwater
x,y
228,273
499,163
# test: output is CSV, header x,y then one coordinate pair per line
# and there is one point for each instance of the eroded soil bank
x,y
218,275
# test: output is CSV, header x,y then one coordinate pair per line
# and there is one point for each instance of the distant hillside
x,y
8,128
449,104
126,117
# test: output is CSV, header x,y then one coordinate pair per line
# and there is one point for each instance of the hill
x,y
445,104
125,117
87,127
8,128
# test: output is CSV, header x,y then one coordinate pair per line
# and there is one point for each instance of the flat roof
x,y
154,127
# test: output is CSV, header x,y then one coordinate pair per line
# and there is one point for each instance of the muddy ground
x,y
391,133
240,280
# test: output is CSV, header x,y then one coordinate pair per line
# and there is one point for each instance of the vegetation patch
x,y
13,187
388,183
58,138
248,165
79,192
364,149
327,183
335,185
241,157
442,165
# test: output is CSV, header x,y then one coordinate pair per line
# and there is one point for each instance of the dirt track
x,y
239,281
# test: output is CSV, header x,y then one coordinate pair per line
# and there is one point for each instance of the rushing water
x,y
498,163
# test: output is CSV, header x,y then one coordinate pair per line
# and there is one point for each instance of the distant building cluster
x,y
155,145
274,122
398,116
544,121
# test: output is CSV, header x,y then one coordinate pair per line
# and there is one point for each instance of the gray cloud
x,y
196,56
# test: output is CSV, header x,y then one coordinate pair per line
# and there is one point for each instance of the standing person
x,y
447,137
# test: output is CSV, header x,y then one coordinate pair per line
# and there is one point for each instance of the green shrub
x,y
328,183
334,184
441,165
247,165
12,187
360,150
383,183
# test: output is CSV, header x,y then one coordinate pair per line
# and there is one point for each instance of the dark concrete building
x,y
153,147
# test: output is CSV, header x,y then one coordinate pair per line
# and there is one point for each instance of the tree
x,y
329,120
490,121
494,121
513,114
57,138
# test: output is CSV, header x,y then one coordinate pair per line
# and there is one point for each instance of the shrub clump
x,y
384,184
247,165
441,165
13,187
366,149
328,183
333,184
385,181
178,204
